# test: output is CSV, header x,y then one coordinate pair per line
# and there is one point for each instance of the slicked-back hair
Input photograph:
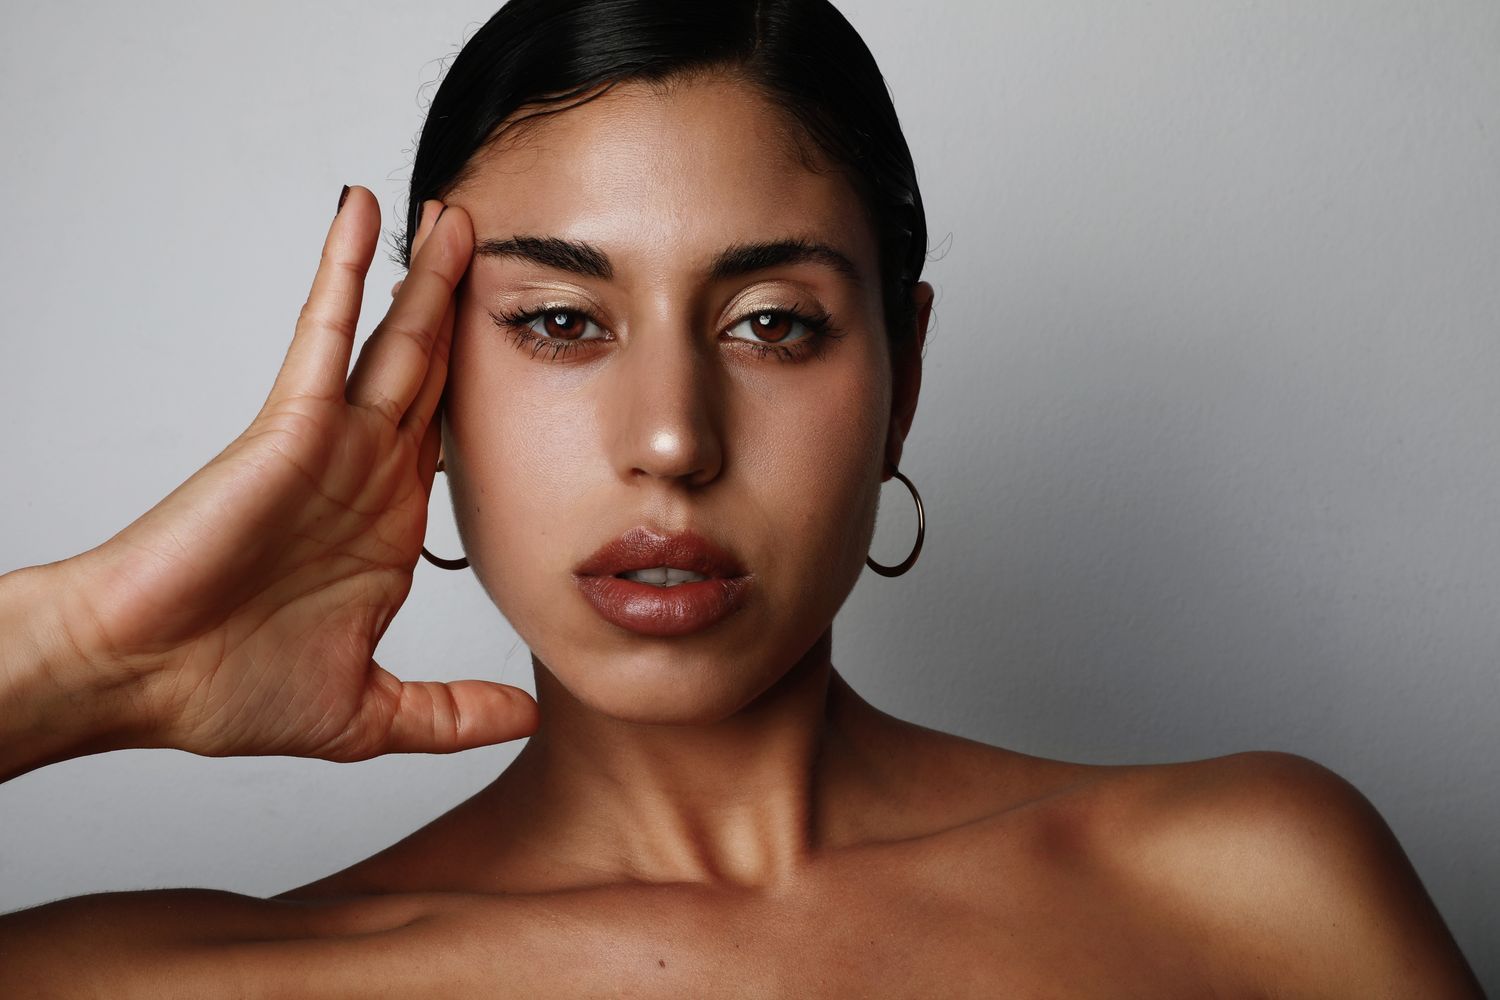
x,y
538,57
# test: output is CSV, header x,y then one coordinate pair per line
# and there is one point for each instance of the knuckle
x,y
442,348
435,269
314,314
348,269
387,408
404,332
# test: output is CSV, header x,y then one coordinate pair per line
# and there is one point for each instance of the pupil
x,y
768,321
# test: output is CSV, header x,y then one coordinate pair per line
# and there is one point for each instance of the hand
x,y
244,608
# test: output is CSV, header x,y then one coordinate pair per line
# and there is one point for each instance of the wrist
x,y
56,699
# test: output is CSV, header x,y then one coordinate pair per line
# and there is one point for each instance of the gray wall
x,y
1210,436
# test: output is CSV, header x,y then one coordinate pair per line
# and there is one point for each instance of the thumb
x,y
441,716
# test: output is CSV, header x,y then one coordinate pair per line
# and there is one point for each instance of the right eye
x,y
558,324
555,328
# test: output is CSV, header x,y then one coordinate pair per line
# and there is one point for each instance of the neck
x,y
742,800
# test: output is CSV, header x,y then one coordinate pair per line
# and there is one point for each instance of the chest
x,y
867,938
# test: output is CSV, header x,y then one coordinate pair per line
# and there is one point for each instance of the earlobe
x,y
892,454
895,438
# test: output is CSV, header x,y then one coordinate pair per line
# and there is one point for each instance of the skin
x,y
698,752
721,814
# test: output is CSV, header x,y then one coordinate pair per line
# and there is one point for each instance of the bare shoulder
x,y
1285,868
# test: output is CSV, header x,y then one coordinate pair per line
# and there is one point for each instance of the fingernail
x,y
343,196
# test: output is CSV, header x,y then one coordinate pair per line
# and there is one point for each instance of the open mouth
x,y
657,584
666,609
662,576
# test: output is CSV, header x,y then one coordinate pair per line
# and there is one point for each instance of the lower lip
x,y
664,611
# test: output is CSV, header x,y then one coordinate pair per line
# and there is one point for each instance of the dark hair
x,y
802,54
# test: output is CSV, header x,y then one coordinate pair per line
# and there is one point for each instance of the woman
x,y
663,320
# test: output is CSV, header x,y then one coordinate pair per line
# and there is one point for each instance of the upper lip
x,y
645,548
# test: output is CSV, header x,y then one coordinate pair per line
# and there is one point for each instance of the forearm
x,y
54,704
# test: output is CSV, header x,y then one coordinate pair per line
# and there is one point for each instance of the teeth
x,y
663,576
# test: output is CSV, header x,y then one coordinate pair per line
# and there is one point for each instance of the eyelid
x,y
525,317
736,313
817,323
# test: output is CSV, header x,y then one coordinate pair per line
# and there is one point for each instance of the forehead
x,y
661,175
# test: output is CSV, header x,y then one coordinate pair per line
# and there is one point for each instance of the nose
x,y
666,407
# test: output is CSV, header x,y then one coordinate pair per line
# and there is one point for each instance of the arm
x,y
196,943
193,943
52,706
240,615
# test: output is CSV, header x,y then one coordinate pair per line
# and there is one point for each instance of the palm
x,y
252,598
320,516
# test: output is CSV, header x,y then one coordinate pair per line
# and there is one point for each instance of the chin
x,y
663,685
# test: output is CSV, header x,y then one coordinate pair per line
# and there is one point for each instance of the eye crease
x,y
561,330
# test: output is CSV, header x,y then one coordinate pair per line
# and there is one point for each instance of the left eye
x,y
773,326
561,324
785,334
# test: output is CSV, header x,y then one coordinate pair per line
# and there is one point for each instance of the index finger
x,y
394,362
317,362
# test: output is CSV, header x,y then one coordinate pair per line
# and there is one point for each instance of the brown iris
x,y
772,326
563,324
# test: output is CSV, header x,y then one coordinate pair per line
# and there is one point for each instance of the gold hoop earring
x,y
462,562
916,549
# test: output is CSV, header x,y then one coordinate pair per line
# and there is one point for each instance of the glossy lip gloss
x,y
650,610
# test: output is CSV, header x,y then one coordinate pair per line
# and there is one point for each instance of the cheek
x,y
527,451
538,449
810,466
846,493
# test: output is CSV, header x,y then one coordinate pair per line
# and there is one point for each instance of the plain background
x,y
1209,439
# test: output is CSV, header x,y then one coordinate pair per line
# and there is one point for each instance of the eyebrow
x,y
585,259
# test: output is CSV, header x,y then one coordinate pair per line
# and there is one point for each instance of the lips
x,y
643,548
663,612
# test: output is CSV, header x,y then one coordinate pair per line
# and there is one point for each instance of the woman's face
x,y
616,363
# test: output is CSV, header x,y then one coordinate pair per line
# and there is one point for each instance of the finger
x,y
426,218
317,362
426,214
438,717
427,455
421,411
393,365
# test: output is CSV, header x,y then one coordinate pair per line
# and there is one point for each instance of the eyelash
x,y
819,325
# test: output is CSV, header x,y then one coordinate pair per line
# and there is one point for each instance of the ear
x,y
906,381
